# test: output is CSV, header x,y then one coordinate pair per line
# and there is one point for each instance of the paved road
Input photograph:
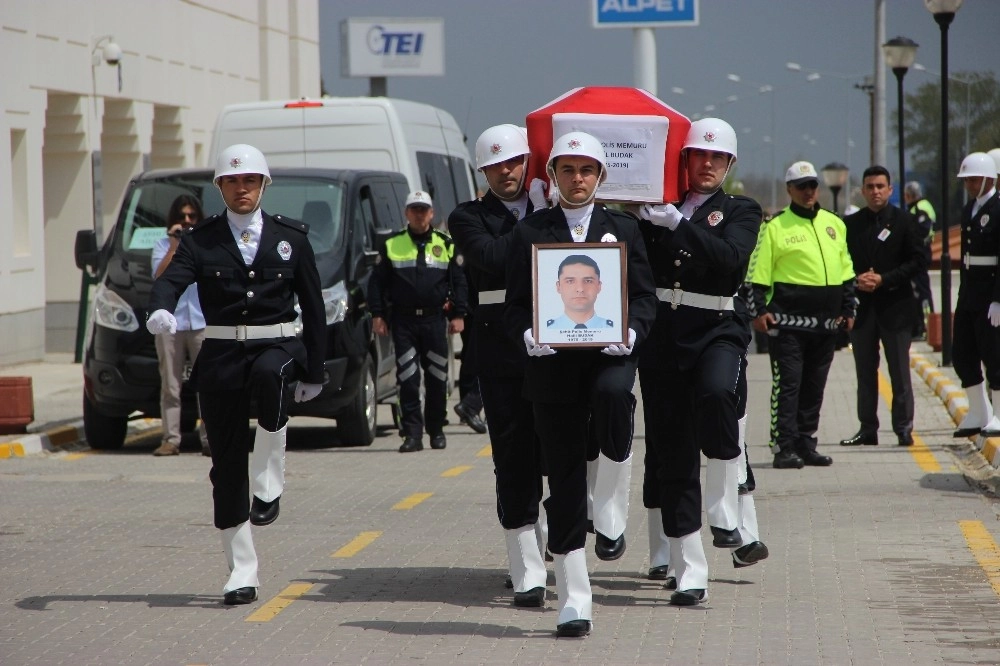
x,y
887,557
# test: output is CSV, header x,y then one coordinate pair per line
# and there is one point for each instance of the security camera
x,y
112,53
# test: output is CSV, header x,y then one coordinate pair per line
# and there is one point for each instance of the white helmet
x,y
995,154
241,158
712,134
977,164
499,144
580,144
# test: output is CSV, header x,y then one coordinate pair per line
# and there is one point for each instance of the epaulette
x,y
548,322
291,224
207,222
443,234
609,323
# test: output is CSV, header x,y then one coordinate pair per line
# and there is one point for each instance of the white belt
x,y
243,332
492,296
978,260
680,297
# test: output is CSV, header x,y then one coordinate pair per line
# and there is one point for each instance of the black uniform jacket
x,y
890,243
980,285
707,254
482,232
232,293
560,377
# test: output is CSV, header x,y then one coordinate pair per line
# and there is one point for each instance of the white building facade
x,y
75,128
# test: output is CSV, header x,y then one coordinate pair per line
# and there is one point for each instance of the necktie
x,y
580,326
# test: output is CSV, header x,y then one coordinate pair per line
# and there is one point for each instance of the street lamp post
x,y
944,13
900,52
835,177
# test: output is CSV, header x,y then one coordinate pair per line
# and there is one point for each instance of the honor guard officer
x,y
976,341
417,274
482,231
802,281
249,267
689,367
580,393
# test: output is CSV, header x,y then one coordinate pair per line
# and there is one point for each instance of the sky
x,y
506,58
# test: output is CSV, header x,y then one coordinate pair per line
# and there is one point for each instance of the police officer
x,y
249,267
923,211
482,231
689,367
579,393
417,275
802,281
976,341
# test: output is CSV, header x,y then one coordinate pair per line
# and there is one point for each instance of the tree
x,y
974,102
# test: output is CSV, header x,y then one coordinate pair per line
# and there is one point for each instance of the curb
x,y
64,437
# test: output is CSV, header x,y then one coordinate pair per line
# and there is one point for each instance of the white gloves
x,y
306,392
160,322
994,314
536,349
665,215
536,194
621,350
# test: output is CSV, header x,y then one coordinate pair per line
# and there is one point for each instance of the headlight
x,y
111,311
335,300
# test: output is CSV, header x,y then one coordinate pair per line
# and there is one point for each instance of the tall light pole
x,y
835,177
944,13
900,52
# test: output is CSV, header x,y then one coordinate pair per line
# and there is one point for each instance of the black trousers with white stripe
x,y
226,415
421,344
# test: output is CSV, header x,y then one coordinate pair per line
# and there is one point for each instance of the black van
x,y
347,213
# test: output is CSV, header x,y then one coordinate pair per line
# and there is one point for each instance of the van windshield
x,y
318,202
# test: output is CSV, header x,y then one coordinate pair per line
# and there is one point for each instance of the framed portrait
x,y
580,294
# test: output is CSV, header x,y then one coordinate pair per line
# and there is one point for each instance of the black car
x,y
347,213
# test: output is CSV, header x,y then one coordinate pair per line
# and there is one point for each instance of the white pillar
x,y
644,55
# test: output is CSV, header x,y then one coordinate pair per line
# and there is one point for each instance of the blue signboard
x,y
645,13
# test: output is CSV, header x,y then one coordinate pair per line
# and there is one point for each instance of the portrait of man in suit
x,y
578,283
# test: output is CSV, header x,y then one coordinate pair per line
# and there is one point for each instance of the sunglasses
x,y
811,185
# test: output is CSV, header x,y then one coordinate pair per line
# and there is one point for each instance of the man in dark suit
x,y
249,267
886,246
482,231
580,393
690,366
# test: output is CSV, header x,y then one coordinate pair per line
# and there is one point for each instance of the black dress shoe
x,y
688,597
244,595
865,438
411,444
470,418
670,583
726,538
750,554
787,460
815,459
967,432
904,438
658,573
609,549
263,513
439,441
573,629
533,598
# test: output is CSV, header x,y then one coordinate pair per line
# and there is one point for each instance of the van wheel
x,y
356,423
104,433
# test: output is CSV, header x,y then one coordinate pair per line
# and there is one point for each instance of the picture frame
x,y
580,294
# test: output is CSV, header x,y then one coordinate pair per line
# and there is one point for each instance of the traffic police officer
x,y
482,231
689,367
923,211
580,393
417,276
976,341
249,267
802,281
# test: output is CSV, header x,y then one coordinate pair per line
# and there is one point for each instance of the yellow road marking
x,y
455,471
12,450
984,549
412,501
921,454
76,456
485,452
357,544
270,610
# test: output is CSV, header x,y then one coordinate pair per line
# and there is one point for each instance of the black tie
x,y
580,326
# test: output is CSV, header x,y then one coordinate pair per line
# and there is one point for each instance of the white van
x,y
422,142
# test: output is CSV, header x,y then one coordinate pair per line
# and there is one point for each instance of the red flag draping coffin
x,y
642,138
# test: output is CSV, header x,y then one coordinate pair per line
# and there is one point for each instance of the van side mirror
x,y
85,249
